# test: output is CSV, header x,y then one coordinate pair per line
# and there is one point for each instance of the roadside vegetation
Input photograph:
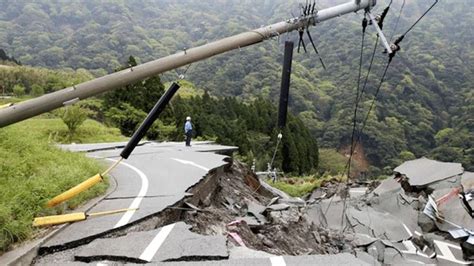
x,y
33,170
302,186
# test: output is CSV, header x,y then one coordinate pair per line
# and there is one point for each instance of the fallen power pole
x,y
70,95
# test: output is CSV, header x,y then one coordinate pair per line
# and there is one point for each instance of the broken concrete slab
x,y
179,244
467,180
363,240
256,210
285,217
389,185
399,205
273,190
317,194
355,192
338,259
293,201
79,231
424,171
377,224
327,214
278,207
247,253
364,256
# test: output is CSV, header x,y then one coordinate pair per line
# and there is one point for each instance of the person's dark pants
x,y
188,138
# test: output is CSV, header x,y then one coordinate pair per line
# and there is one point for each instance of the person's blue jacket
x,y
188,127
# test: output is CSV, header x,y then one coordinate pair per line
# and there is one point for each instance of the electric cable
x,y
398,21
364,123
356,107
422,16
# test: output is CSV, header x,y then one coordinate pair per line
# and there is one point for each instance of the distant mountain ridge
x,y
429,87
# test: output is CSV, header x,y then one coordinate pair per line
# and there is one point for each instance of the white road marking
x,y
191,163
407,229
446,253
278,261
156,243
136,202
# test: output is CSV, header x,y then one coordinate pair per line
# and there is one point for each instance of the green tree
x,y
37,90
73,116
18,90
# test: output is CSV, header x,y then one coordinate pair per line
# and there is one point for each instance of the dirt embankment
x,y
234,203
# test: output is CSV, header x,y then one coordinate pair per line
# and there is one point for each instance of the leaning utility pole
x,y
70,95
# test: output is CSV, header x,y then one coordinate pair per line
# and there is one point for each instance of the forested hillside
x,y
425,108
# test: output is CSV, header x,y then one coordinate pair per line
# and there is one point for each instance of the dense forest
x,y
425,108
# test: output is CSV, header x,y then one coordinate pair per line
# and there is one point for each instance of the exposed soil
x,y
285,233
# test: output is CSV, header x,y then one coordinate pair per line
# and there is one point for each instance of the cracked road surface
x,y
154,177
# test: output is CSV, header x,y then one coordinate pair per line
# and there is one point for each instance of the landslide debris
x,y
235,203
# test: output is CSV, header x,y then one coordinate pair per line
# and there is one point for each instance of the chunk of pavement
x,y
400,205
425,244
369,221
467,180
256,210
293,201
285,217
387,186
330,217
363,240
426,223
453,211
278,207
273,201
458,233
273,190
377,250
245,252
467,248
395,257
338,259
448,183
318,193
364,256
179,244
424,171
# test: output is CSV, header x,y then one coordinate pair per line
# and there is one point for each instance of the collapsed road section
x,y
413,216
231,217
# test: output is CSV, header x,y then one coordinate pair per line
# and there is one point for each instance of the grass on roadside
x,y
301,186
32,171
54,130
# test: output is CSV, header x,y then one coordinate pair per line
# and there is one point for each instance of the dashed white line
x,y
191,163
156,243
136,202
278,261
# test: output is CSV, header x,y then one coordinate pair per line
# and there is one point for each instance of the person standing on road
x,y
188,131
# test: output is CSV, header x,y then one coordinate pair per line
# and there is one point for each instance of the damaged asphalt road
x,y
398,223
200,207
189,213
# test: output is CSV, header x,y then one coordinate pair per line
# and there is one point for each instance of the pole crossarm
x,y
51,101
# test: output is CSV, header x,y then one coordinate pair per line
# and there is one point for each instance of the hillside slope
x,y
428,89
